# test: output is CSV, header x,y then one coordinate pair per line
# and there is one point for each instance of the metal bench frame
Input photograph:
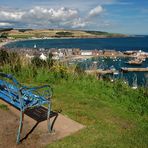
x,y
21,93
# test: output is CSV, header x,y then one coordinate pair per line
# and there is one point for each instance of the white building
x,y
43,57
86,53
55,58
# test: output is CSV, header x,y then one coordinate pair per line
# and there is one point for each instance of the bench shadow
x,y
39,114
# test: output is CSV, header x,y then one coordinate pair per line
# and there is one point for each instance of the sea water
x,y
120,44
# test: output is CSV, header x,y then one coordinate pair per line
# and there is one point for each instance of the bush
x,y
4,57
37,62
65,34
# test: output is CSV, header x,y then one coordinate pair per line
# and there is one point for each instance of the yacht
x,y
134,85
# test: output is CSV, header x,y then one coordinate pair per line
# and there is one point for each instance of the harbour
x,y
110,62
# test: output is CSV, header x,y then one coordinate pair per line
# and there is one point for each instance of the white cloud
x,y
51,14
10,15
96,11
39,13
79,23
43,17
3,24
50,17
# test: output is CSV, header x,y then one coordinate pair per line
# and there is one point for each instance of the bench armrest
x,y
48,91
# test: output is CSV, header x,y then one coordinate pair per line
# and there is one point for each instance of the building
x,y
43,57
86,53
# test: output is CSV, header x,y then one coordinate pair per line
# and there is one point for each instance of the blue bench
x,y
25,98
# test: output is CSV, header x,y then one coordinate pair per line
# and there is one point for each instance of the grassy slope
x,y
114,114
104,111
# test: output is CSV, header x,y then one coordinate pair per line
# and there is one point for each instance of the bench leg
x,y
48,118
20,126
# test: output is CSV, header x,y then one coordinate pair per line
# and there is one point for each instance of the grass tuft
x,y
4,107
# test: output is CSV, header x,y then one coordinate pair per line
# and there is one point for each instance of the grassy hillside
x,y
28,33
112,118
115,116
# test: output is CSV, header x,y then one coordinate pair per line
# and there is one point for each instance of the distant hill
x,y
57,33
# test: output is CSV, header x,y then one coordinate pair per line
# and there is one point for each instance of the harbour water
x,y
117,63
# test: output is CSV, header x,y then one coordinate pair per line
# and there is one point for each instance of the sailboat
x,y
134,85
34,46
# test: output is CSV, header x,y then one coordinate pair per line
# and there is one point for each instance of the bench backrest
x,y
20,96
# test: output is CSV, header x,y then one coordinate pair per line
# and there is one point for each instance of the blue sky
x,y
120,16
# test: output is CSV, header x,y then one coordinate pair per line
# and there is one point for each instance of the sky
x,y
117,16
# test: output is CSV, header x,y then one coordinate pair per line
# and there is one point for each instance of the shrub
x,y
4,57
64,33
37,62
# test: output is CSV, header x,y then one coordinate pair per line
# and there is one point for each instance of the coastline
x,y
4,43
111,52
81,56
62,37
7,42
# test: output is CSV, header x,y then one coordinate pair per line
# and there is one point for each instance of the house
x,y
43,57
110,52
86,53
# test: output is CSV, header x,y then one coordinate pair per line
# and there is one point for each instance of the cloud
x,y
76,23
10,15
96,11
39,13
43,17
3,24
79,23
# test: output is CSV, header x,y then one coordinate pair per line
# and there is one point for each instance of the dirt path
x,y
9,121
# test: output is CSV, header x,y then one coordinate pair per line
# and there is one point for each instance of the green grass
x,y
108,118
115,116
22,36
3,107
